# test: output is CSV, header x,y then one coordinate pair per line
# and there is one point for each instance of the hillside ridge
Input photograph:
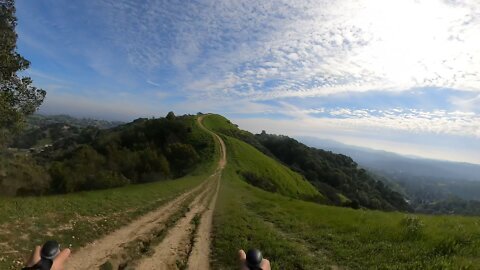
x,y
337,177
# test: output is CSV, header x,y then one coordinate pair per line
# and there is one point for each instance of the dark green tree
x,y
170,116
18,98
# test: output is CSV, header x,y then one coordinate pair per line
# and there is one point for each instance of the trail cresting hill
x,y
201,219
177,235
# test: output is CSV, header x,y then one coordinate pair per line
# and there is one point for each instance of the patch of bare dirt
x,y
173,251
98,252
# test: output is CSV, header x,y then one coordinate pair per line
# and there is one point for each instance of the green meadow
x,y
290,225
296,234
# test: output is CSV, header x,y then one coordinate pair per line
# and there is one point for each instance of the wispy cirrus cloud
x,y
408,65
275,49
412,120
323,48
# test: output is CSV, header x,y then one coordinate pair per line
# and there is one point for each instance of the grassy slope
x,y
296,234
246,158
301,235
76,219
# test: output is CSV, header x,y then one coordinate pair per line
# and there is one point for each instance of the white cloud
x,y
273,49
224,55
415,121
317,48
153,83
472,104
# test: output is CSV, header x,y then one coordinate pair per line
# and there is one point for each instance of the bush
x,y
259,181
21,176
412,227
182,157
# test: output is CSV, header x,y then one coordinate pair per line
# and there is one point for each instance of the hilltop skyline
x,y
400,76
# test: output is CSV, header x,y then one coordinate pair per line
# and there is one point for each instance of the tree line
x,y
142,151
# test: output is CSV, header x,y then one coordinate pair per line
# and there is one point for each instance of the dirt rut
x,y
173,252
95,254
178,237
200,256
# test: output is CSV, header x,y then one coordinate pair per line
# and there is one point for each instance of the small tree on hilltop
x,y
170,116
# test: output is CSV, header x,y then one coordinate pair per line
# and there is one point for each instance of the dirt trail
x,y
183,241
95,254
174,250
200,256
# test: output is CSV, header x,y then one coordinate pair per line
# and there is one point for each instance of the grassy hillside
x,y
337,177
295,234
334,174
78,218
292,233
260,170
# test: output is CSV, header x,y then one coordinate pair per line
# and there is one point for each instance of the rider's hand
x,y
265,265
58,262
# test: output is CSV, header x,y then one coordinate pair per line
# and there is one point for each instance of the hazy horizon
x,y
400,76
299,136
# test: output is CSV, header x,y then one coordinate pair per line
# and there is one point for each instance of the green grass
x,y
293,234
246,158
236,227
296,234
217,123
78,218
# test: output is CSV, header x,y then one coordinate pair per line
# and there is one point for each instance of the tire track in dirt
x,y
98,252
173,251
200,256
176,250
184,240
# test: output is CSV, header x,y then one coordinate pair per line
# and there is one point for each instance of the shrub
x,y
412,227
259,181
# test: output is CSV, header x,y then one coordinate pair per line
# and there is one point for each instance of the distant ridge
x,y
38,120
384,160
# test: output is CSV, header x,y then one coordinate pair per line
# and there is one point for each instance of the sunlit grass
x,y
296,234
246,158
78,218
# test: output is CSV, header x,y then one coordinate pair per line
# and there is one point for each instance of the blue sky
x,y
400,75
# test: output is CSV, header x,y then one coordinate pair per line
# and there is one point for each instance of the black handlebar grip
x,y
254,259
49,251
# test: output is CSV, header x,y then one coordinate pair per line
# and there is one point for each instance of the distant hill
x,y
395,163
40,120
44,130
433,186
335,176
